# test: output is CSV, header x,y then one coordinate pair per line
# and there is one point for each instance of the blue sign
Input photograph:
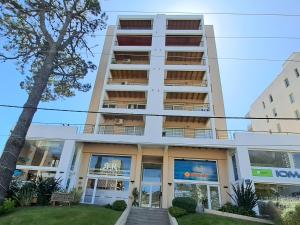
x,y
195,170
288,174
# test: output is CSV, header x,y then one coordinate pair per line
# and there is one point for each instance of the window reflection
x,y
41,153
269,159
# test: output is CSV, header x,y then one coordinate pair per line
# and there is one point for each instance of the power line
x,y
144,114
205,13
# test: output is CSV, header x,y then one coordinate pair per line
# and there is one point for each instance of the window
x,y
106,129
136,106
297,113
201,133
174,132
292,99
235,171
110,165
274,112
296,159
271,98
276,192
286,82
278,127
32,175
41,153
109,106
269,159
264,105
297,73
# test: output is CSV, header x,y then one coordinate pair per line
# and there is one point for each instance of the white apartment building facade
x,y
157,92
280,99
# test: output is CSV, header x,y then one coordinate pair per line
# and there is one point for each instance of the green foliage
x,y
269,210
108,206
135,194
292,217
8,206
244,197
28,31
25,194
177,212
187,203
230,208
119,205
45,187
77,195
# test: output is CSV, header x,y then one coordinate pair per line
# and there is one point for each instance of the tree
x,y
46,39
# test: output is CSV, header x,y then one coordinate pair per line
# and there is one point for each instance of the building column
x,y
244,168
75,172
165,178
138,169
65,162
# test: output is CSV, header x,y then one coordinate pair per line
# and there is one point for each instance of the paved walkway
x,y
148,216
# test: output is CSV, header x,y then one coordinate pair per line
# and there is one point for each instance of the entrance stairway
x,y
148,216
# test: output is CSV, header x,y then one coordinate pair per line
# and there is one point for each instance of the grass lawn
x,y
207,219
61,215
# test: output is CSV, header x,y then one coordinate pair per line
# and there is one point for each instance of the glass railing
x,y
203,107
187,133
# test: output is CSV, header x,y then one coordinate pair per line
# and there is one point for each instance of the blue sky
x,y
242,81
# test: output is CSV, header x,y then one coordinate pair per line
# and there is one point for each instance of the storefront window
x,y
31,175
110,165
235,171
214,196
269,159
296,158
195,191
41,153
196,170
277,191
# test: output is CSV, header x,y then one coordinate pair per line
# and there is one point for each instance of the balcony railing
x,y
121,130
203,107
129,61
127,82
183,60
187,133
124,105
169,82
179,44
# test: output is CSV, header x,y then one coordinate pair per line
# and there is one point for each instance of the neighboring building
x,y
158,89
280,99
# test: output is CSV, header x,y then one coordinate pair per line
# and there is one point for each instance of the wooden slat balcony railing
x,y
121,130
169,82
204,107
127,82
187,133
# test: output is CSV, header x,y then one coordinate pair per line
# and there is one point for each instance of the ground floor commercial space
x,y
109,172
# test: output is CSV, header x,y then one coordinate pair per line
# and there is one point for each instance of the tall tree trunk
x,y
16,140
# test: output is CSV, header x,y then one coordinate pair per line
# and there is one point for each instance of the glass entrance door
x,y
151,186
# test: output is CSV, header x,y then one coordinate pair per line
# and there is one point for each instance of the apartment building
x,y
157,90
280,99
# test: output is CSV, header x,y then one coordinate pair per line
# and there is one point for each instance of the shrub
x,y
230,208
269,210
292,217
26,194
177,212
8,206
108,206
45,187
77,195
135,195
187,203
244,197
119,205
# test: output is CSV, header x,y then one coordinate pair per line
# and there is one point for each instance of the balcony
x,y
184,25
133,40
186,101
185,58
131,57
187,127
125,100
185,78
128,77
135,24
184,40
122,125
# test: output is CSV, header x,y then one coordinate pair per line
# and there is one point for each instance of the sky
x,y
242,80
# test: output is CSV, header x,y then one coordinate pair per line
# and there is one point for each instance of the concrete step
x,y
148,216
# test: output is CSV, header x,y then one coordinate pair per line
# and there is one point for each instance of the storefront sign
x,y
285,173
196,170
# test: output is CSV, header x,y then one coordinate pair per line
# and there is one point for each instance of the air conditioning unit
x,y
119,121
